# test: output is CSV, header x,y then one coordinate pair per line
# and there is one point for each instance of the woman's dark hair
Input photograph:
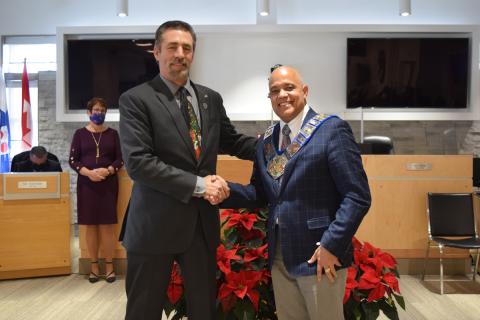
x,y
95,101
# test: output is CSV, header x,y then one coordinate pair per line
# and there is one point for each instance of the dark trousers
x,y
148,277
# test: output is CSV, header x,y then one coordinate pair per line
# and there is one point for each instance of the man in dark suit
x,y
309,171
37,162
171,131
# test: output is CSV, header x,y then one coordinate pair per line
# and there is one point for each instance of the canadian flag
x,y
26,111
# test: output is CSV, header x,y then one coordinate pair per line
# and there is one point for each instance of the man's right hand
x,y
216,189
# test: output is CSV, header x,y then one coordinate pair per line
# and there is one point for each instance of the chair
x,y
451,223
25,155
379,144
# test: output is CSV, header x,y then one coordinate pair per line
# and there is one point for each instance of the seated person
x,y
37,162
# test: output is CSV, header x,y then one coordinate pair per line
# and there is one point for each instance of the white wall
x,y
236,61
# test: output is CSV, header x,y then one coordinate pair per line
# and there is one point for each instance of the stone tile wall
x,y
409,137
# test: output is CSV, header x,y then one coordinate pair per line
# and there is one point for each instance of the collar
x,y
296,123
174,87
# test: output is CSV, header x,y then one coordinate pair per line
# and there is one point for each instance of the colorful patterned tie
x,y
191,120
286,137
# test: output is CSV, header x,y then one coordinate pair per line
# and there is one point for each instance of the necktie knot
x,y
286,130
285,137
182,95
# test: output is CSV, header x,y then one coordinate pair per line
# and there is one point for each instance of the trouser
x,y
148,276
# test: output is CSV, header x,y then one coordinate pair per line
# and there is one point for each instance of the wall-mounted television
x,y
408,72
106,68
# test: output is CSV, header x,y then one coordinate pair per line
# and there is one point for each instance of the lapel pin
x,y
205,106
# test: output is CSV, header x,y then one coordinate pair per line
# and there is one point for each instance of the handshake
x,y
216,189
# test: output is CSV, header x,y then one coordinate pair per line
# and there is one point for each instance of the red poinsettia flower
x,y
175,288
245,219
240,284
378,282
226,213
357,245
266,276
351,283
225,256
248,235
255,253
391,281
243,284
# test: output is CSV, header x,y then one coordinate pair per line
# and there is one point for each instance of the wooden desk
x,y
397,219
35,233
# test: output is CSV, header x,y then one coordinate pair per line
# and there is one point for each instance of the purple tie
x,y
286,137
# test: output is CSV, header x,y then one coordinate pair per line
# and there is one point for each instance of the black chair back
x,y
378,145
451,214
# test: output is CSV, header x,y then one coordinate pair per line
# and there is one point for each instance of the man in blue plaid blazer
x,y
317,193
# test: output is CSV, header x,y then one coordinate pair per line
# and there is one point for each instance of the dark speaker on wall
x,y
106,68
408,72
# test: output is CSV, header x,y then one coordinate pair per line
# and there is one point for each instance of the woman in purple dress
x,y
96,156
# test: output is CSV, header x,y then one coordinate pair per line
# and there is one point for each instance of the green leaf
x,y
372,310
357,313
395,272
400,300
389,310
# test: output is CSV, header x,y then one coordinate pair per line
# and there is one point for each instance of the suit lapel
x,y
291,163
168,100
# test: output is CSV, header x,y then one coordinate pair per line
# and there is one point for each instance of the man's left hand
x,y
325,261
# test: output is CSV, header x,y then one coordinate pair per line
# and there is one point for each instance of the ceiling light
x,y
263,7
122,8
405,8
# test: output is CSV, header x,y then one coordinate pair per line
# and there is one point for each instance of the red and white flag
x,y
26,111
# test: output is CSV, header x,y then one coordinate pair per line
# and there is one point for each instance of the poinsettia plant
x,y
372,284
243,277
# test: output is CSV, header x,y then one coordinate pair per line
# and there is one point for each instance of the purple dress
x,y
96,201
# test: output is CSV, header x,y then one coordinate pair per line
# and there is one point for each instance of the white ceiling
x,y
32,17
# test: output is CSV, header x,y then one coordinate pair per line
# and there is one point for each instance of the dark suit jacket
x,y
25,155
159,157
323,196
27,166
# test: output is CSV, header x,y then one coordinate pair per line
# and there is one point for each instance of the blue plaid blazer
x,y
323,196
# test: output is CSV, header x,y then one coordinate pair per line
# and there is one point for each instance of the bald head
x,y
286,71
288,93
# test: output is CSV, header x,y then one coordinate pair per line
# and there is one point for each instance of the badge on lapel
x,y
204,104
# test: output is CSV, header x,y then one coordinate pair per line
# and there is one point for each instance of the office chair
x,y
451,223
378,145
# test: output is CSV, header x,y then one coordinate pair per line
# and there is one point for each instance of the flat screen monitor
x,y
106,68
408,72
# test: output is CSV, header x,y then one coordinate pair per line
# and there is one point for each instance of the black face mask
x,y
38,167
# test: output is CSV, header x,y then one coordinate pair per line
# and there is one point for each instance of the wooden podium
x,y
34,224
